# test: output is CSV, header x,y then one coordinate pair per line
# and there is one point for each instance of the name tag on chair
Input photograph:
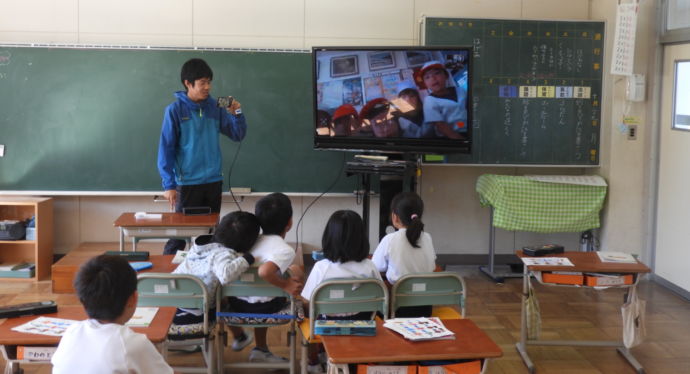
x,y
248,278
418,287
337,294
160,288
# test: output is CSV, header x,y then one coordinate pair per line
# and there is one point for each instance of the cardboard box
x,y
549,277
471,367
608,280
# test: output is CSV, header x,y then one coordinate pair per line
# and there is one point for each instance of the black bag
x,y
12,230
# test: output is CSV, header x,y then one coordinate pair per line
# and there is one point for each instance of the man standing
x,y
189,157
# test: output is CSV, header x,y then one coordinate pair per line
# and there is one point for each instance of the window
x,y
676,21
681,96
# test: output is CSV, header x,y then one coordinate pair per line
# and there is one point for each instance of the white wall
x,y
454,218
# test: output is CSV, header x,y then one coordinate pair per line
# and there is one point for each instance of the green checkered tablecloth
x,y
526,205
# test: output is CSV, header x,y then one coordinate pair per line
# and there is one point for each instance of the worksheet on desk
x,y
45,326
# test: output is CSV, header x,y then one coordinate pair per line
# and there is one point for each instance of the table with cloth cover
x,y
527,203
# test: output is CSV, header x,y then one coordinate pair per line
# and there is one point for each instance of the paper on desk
x,y
618,257
142,317
144,215
546,261
45,326
585,180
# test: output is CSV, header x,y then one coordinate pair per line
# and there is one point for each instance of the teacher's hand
x,y
171,196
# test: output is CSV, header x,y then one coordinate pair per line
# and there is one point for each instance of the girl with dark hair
x,y
409,249
346,251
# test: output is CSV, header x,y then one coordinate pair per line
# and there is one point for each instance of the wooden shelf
x,y
39,251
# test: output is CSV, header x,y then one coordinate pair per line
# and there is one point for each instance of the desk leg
x,y
134,243
12,367
521,346
122,239
490,269
337,368
631,359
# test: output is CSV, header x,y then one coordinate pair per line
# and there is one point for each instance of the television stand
x,y
373,167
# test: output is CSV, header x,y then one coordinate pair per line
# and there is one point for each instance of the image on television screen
x,y
413,99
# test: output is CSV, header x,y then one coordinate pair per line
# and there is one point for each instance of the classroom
x,y
639,150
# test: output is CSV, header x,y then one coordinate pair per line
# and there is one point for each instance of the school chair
x,y
444,290
182,291
251,284
342,295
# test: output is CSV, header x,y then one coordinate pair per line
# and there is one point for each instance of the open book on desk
x,y
418,329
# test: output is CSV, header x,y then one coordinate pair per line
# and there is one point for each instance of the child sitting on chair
x,y
274,257
107,288
345,251
218,259
409,249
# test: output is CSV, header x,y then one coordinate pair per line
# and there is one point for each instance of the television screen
x,y
393,99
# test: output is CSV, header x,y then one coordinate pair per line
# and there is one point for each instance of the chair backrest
x,y
178,290
249,283
348,295
437,288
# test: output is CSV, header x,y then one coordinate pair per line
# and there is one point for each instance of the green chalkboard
x,y
536,88
89,119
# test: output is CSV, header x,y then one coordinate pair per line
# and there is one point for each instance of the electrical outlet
x,y
632,132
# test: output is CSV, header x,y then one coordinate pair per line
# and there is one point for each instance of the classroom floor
x,y
567,313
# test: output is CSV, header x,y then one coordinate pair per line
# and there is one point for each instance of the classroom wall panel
x,y
549,9
248,42
329,42
249,19
38,16
169,40
360,19
136,17
22,37
469,8
628,165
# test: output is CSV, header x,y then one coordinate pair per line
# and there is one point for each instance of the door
x,y
672,254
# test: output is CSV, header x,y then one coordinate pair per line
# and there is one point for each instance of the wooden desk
x,y
64,270
171,226
388,346
584,262
9,339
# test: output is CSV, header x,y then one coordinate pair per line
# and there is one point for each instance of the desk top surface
x,y
388,346
156,332
168,220
589,262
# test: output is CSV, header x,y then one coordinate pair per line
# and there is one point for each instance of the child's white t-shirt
x,y
325,269
397,257
92,347
271,248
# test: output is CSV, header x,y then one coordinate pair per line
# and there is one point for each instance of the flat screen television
x,y
393,99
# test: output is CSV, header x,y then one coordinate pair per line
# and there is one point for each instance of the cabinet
x,y
38,251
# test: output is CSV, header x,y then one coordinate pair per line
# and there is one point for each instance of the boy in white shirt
x,y
107,288
274,257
